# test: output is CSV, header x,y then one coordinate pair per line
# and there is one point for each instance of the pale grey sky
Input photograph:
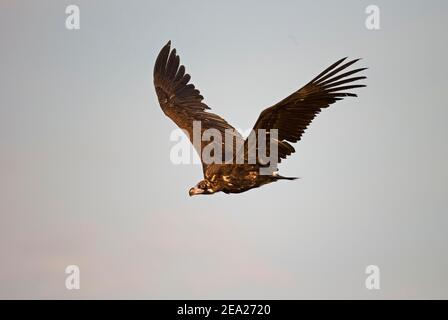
x,y
86,177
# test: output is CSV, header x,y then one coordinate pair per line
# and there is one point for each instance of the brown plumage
x,y
182,102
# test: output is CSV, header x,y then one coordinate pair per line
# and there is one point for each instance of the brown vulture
x,y
182,102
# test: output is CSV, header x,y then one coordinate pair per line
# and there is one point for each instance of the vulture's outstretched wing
x,y
292,115
182,103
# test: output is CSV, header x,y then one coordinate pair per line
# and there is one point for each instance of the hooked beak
x,y
195,191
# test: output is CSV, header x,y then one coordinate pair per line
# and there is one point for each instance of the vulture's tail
x,y
279,177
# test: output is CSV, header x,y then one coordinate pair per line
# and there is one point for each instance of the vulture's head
x,y
203,187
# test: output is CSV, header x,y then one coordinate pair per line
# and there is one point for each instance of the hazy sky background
x,y
86,177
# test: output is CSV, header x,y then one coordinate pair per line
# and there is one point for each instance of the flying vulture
x,y
288,119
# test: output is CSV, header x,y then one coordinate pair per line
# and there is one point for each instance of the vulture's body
x,y
182,102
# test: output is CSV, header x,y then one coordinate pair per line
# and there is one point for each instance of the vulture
x,y
237,165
